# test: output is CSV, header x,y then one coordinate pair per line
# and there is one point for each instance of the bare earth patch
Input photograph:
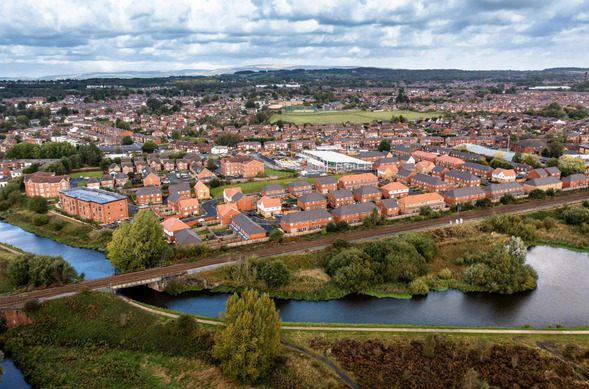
x,y
317,274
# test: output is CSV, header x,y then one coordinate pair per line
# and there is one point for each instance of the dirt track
x,y
316,244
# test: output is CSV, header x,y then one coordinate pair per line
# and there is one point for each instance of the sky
x,y
40,38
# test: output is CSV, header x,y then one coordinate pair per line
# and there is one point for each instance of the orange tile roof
x,y
172,224
420,198
356,177
224,209
394,186
229,192
188,202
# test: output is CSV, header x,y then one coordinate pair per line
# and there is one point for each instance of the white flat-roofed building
x,y
330,160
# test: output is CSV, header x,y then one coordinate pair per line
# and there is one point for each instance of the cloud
x,y
63,36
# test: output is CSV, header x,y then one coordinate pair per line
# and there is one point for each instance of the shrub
x,y
549,223
37,204
537,194
215,183
425,211
40,220
276,236
31,306
507,199
331,227
575,216
40,270
418,287
550,192
445,274
275,273
340,244
586,203
484,203
429,346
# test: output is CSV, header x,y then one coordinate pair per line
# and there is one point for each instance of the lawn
x,y
254,187
349,116
278,173
97,174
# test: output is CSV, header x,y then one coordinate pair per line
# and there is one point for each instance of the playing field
x,y
349,116
97,174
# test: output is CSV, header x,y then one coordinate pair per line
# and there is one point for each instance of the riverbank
x,y
60,230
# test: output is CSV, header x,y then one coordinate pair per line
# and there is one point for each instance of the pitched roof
x,y
342,194
180,187
326,180
247,225
173,224
357,177
420,198
299,184
186,237
45,177
575,177
223,209
430,180
313,196
477,166
394,186
267,202
462,192
229,192
148,190
304,216
184,202
505,186
462,175
352,209
272,188
551,180
367,190
389,203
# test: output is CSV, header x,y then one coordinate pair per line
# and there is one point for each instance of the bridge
x,y
158,278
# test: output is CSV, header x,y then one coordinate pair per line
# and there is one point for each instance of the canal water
x,y
12,378
90,262
560,298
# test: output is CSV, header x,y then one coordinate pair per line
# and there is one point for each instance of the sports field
x,y
348,116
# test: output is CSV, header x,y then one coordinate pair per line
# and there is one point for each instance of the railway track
x,y
316,244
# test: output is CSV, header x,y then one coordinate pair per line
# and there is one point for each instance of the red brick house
x,y
503,175
246,228
93,204
357,180
182,189
187,207
463,195
45,184
353,213
172,226
366,194
394,190
299,188
429,183
461,178
241,166
389,207
496,191
575,181
225,212
274,191
151,180
324,185
483,171
149,195
243,202
449,162
404,176
337,198
305,221
411,204
311,201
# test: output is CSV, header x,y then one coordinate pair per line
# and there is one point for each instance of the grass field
x,y
253,187
349,116
278,173
97,174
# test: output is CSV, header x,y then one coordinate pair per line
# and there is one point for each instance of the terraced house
x,y
429,183
412,204
93,204
477,169
337,198
544,183
367,194
575,181
394,190
305,221
461,178
149,195
274,191
463,195
311,201
496,191
299,188
246,228
389,207
324,185
357,181
353,213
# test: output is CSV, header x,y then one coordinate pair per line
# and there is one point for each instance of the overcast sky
x,y
40,37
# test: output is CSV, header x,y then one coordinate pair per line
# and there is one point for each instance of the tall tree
x,y
249,343
139,244
384,145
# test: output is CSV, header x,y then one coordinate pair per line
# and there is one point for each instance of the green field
x,y
349,116
97,174
278,173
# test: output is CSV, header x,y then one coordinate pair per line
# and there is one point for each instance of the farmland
x,y
349,116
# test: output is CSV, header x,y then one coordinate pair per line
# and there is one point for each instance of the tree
x,y
215,183
275,273
44,121
247,346
38,204
139,244
90,154
149,146
532,160
127,140
569,165
517,158
22,120
211,165
384,145
227,139
537,194
176,135
105,163
556,148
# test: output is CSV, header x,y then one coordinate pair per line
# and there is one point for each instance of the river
x,y
560,298
90,262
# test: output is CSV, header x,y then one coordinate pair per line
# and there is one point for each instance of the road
x,y
209,207
317,244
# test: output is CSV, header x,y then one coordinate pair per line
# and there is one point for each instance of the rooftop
x,y
92,195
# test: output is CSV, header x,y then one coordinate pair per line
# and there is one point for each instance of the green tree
x,y
247,347
532,160
139,244
176,135
275,273
22,120
227,139
90,155
215,183
537,194
127,140
384,145
44,121
105,163
556,148
37,204
569,165
149,146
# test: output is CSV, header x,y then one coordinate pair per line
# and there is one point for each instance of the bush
x,y
30,269
425,211
575,216
340,244
549,223
510,224
484,203
331,227
275,273
276,236
445,274
586,203
537,194
32,306
507,199
418,287
37,204
550,192
40,220
215,183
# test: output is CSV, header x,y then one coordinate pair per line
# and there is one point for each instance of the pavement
x,y
209,208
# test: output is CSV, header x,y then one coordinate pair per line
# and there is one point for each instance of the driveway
x,y
209,208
